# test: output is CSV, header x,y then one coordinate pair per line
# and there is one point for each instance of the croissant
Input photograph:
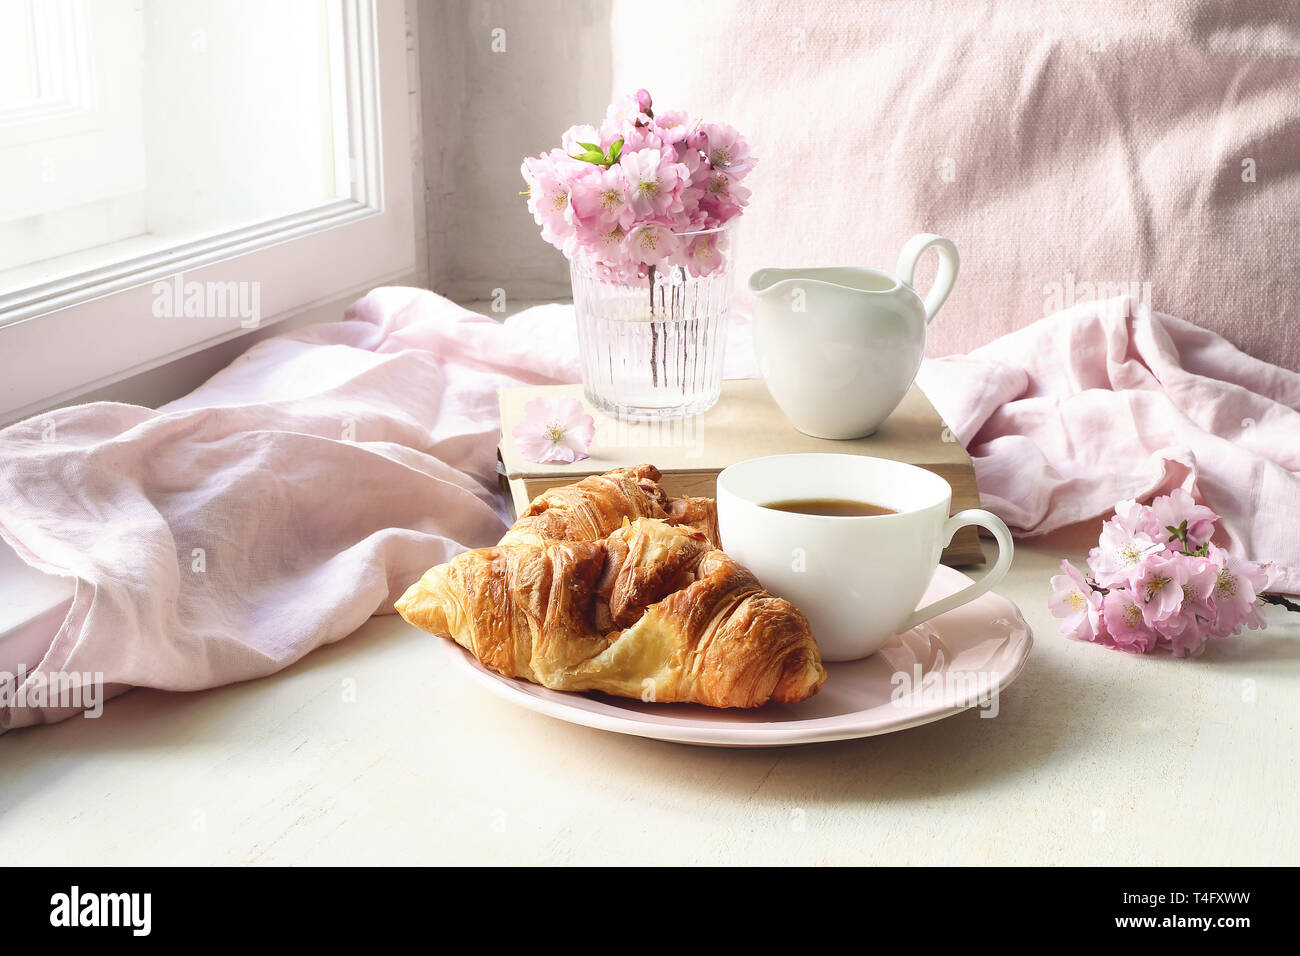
x,y
594,507
651,611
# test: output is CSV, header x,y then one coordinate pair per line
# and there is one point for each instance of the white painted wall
x,y
502,79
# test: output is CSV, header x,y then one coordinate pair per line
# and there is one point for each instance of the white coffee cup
x,y
857,578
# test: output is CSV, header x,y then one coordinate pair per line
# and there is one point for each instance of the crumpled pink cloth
x,y
274,509
1110,400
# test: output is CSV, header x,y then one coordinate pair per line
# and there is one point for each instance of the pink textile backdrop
x,y
1070,150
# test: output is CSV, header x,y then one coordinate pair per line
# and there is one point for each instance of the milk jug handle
x,y
943,280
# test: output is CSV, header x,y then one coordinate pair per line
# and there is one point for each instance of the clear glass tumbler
x,y
653,350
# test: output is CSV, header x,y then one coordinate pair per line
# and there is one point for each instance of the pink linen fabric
x,y
1070,150
1109,401
274,509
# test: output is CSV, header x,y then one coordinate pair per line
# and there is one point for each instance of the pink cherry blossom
x,y
637,138
1200,575
1157,586
1187,630
726,150
1076,603
1119,551
554,429
704,253
1188,641
652,243
724,198
572,139
1236,588
1171,510
550,179
1161,590
641,191
653,185
604,248
672,127
600,200
1125,626
626,111
1136,519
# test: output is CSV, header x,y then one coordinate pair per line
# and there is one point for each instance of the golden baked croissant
x,y
652,611
592,508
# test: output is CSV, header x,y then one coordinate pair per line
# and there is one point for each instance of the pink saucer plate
x,y
958,660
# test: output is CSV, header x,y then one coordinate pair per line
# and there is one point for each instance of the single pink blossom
x,y
1191,641
604,251
636,138
1118,552
696,175
704,253
1124,623
672,127
626,112
652,243
1157,586
1138,519
554,429
1200,575
1076,603
1188,629
1172,510
573,138
617,270
726,150
724,198
550,179
599,200
653,184
1236,591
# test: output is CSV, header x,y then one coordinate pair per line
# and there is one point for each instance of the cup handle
x,y
948,264
984,519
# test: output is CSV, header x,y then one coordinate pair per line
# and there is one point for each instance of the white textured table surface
x,y
1095,757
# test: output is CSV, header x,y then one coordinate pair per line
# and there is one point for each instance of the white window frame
x,y
63,338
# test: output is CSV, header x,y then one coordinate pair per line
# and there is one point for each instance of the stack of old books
x,y
745,423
